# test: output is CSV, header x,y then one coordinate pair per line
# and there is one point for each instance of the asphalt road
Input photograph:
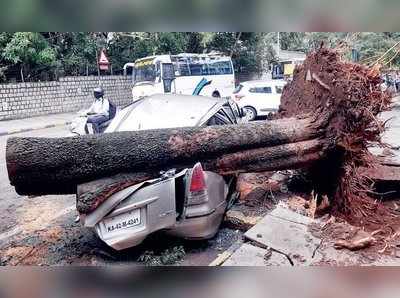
x,y
42,231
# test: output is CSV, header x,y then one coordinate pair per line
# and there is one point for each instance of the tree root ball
x,y
347,97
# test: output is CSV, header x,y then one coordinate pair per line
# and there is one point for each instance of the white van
x,y
259,98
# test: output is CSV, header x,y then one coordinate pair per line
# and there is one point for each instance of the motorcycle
x,y
80,127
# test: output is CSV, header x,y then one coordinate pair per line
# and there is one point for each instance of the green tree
x,y
5,38
127,47
243,47
169,42
194,42
293,41
32,52
78,51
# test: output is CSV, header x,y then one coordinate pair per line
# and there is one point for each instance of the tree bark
x,y
57,165
288,156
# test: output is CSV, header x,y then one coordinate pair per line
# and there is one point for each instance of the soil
x,y
346,99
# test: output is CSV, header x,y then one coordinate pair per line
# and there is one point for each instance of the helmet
x,y
98,92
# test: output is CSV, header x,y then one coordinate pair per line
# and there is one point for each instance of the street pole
x,y
278,46
98,67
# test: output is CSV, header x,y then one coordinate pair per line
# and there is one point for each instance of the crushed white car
x,y
190,202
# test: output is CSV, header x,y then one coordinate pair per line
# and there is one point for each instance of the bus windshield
x,y
145,73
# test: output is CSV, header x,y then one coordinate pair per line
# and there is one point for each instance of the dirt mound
x,y
347,98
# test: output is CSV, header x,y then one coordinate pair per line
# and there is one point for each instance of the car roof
x,y
165,111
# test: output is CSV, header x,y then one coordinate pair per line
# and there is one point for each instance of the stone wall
x,y
68,94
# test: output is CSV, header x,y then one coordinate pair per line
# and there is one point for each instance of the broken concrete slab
x,y
283,212
250,255
286,232
237,220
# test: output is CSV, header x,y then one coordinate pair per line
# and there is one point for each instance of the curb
x,y
11,132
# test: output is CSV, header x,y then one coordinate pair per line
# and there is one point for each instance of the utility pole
x,y
98,67
278,46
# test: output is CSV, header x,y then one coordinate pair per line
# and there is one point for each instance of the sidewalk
x,y
8,127
286,238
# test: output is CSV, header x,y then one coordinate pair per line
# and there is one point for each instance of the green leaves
x,y
29,48
48,55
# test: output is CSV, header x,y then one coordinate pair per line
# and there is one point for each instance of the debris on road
x,y
167,257
361,239
237,220
259,186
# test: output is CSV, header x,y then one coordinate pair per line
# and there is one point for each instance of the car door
x,y
262,98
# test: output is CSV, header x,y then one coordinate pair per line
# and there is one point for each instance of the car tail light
x,y
238,96
198,181
197,193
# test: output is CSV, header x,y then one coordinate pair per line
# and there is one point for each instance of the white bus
x,y
200,74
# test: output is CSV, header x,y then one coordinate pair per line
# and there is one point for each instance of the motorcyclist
x,y
99,111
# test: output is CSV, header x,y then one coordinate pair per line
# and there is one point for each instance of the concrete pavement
x,y
8,127
286,238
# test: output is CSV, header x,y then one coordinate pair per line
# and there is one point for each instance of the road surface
x,y
42,230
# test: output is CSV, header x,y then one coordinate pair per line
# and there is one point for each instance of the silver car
x,y
189,203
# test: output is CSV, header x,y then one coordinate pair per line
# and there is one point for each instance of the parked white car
x,y
259,98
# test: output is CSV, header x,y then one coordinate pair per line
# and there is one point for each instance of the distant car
x,y
259,98
190,202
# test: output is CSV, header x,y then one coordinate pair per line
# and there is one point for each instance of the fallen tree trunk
x,y
288,156
57,165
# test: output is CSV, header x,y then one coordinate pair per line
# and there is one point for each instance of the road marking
x,y
16,230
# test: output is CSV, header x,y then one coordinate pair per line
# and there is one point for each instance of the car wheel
x,y
251,113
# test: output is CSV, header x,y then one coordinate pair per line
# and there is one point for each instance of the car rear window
x,y
238,88
261,90
224,116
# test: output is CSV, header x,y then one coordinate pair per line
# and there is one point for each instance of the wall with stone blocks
x,y
69,94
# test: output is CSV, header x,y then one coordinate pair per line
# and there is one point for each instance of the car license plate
x,y
122,221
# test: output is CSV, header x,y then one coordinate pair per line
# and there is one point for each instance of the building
x,y
287,60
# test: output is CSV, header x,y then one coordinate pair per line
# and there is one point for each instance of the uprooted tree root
x,y
348,98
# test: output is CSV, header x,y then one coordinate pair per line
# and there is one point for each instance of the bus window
x,y
181,69
196,69
145,73
220,68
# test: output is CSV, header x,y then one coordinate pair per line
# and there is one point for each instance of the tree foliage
x,y
47,55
